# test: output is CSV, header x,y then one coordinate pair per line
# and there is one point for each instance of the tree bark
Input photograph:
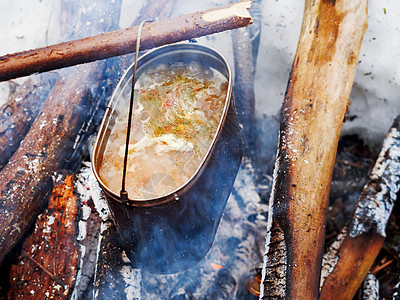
x,y
49,257
123,41
349,259
19,112
314,107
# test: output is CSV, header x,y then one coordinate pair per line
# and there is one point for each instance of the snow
x,y
26,24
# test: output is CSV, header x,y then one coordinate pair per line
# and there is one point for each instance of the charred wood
x,y
114,278
88,236
349,259
19,112
48,264
51,144
313,110
123,41
396,291
245,42
370,288
227,279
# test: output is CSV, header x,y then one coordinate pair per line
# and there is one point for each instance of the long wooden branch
x,y
123,41
314,107
351,256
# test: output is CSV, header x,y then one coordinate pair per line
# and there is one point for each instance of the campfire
x,y
309,212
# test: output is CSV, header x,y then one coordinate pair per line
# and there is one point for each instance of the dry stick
x,y
123,41
347,262
53,276
313,110
27,178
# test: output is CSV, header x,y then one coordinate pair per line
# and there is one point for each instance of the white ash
x,y
88,230
377,199
331,258
370,288
92,190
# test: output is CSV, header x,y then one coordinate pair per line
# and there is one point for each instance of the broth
x,y
176,114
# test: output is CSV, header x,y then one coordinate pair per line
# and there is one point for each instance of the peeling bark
x,y
314,107
353,255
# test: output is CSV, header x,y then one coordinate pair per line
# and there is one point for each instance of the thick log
x,y
123,41
27,178
314,107
19,112
51,144
49,258
349,259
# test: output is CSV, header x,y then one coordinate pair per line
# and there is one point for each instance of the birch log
x,y
123,41
349,259
314,107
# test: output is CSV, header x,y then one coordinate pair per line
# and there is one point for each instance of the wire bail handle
x,y
124,193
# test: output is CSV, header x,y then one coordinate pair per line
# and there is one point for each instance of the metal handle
x,y
124,193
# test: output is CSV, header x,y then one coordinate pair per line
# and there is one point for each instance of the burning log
x,y
51,144
123,41
49,258
314,107
352,255
19,112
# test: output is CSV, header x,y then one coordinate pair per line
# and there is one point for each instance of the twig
x,y
53,276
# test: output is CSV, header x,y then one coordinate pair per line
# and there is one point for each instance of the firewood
x,y
245,43
370,289
49,257
51,144
313,110
19,112
243,88
349,259
123,41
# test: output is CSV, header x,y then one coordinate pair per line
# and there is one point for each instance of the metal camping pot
x,y
170,233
